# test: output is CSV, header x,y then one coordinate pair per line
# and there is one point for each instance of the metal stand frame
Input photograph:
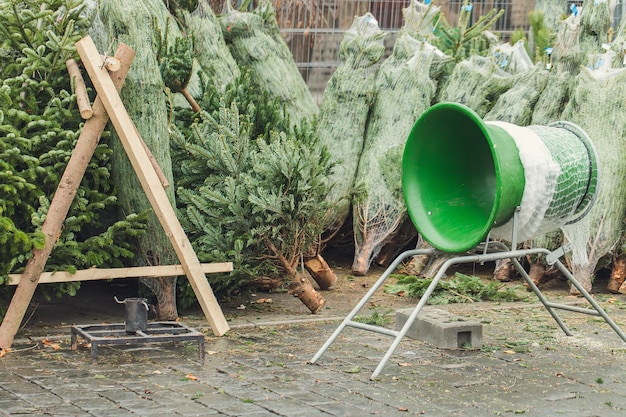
x,y
500,251
116,334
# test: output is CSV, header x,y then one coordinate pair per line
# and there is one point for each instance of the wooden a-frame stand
x,y
108,105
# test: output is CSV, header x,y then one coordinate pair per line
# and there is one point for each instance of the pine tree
x,y
253,197
39,125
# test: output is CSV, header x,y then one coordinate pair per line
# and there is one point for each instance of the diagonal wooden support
x,y
60,205
151,184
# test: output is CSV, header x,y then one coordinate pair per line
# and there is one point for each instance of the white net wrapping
x,y
516,104
557,179
552,11
597,107
211,52
476,82
346,103
252,42
404,92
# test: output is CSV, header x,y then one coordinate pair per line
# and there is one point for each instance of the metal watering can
x,y
136,317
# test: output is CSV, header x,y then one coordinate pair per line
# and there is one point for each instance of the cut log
x,y
505,271
82,98
321,272
540,274
302,288
267,283
60,205
418,263
618,274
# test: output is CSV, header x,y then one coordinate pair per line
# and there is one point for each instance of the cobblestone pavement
x,y
527,366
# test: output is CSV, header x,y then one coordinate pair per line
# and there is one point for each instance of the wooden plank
x,y
151,184
60,205
93,274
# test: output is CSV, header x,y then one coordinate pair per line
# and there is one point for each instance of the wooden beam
x,y
151,184
93,274
60,206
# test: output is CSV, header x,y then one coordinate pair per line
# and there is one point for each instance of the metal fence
x,y
313,29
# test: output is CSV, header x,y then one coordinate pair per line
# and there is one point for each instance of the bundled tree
x,y
404,91
254,43
142,25
39,125
346,103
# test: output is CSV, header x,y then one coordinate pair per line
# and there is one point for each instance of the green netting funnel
x,y
463,177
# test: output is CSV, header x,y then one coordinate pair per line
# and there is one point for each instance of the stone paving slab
x,y
525,367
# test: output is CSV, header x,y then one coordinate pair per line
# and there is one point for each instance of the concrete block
x,y
441,328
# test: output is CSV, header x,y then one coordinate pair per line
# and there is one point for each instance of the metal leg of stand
x,y
485,257
591,300
411,318
541,297
348,320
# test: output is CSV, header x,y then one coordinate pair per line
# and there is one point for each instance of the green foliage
x,y
175,61
459,289
250,190
39,126
543,36
465,40
377,317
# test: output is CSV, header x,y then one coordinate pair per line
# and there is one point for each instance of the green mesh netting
x,y
554,97
597,106
253,44
404,92
477,82
137,24
516,104
346,102
552,11
211,52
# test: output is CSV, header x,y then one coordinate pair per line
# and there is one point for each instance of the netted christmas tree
x,y
516,104
212,54
252,41
142,25
404,90
346,103
594,107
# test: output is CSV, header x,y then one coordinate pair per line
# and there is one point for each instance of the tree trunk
x,y
540,274
418,263
147,105
301,287
505,270
164,288
320,271
395,246
618,274
583,274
